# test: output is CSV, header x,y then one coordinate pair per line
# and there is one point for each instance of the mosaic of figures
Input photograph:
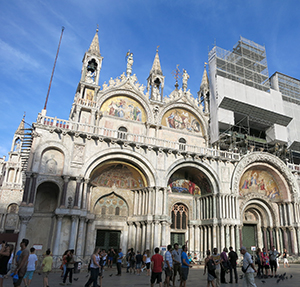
x,y
52,162
181,119
118,175
259,181
195,184
124,107
111,205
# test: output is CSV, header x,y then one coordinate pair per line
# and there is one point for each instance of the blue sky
x,y
185,31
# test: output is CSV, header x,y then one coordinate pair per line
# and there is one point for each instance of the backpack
x,y
211,265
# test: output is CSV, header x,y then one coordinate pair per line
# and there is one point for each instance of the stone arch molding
x,y
261,202
141,162
259,157
132,94
202,167
189,108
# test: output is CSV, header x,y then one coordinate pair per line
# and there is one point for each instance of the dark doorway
x,y
249,236
178,238
107,239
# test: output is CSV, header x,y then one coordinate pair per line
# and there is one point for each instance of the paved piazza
x,y
196,278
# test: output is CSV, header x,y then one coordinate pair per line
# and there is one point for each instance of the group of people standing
x,y
25,264
267,260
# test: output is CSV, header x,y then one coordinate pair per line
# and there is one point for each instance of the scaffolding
x,y
289,88
246,63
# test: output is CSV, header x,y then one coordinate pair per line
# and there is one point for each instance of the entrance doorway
x,y
107,239
178,238
249,235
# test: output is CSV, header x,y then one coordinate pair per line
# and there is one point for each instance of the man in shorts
x,y
47,267
273,255
168,265
139,261
176,254
31,266
21,267
185,266
157,262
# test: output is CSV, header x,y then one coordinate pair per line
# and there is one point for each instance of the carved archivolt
x,y
260,157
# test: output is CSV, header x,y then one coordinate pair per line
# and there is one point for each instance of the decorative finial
x,y
157,48
97,28
205,65
176,74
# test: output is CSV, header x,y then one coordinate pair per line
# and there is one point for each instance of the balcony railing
x,y
87,130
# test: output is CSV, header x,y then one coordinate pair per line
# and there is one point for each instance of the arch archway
x,y
46,197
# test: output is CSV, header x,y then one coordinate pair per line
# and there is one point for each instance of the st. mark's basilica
x,y
133,167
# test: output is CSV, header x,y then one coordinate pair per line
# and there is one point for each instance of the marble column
x,y
24,220
227,236
164,242
237,238
156,235
73,232
148,234
241,235
32,189
222,234
209,240
26,188
191,237
293,240
64,192
298,237
77,191
81,237
143,243
135,203
232,237
130,235
271,236
197,238
89,243
56,250
201,241
84,193
285,239
138,244
278,247
214,236
265,237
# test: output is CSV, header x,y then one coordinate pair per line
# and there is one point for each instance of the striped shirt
x,y
168,257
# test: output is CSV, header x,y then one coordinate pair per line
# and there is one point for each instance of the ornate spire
x,y
156,68
94,48
204,83
20,130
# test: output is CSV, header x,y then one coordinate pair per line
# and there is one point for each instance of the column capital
x,y
25,219
28,174
79,179
86,180
74,217
130,223
59,216
138,224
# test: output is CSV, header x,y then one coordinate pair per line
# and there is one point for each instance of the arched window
x,y
117,211
179,216
122,133
182,144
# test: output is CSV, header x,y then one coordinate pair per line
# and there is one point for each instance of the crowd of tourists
x,y
175,265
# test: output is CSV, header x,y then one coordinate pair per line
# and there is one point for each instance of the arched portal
x,y
258,220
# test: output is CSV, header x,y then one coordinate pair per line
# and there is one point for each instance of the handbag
x,y
244,270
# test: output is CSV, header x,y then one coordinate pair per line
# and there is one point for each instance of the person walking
x,y
119,262
147,261
138,260
94,268
168,266
31,266
64,263
47,267
176,253
5,254
157,262
110,256
285,259
249,268
69,268
265,261
185,266
232,258
209,265
273,255
217,259
22,262
260,270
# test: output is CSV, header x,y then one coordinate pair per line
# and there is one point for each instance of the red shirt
x,y
157,263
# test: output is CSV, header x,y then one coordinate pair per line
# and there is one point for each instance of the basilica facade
x,y
132,167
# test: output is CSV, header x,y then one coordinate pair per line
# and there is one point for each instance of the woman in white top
x,y
94,266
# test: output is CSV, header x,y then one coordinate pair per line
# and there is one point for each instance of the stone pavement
x,y
195,278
